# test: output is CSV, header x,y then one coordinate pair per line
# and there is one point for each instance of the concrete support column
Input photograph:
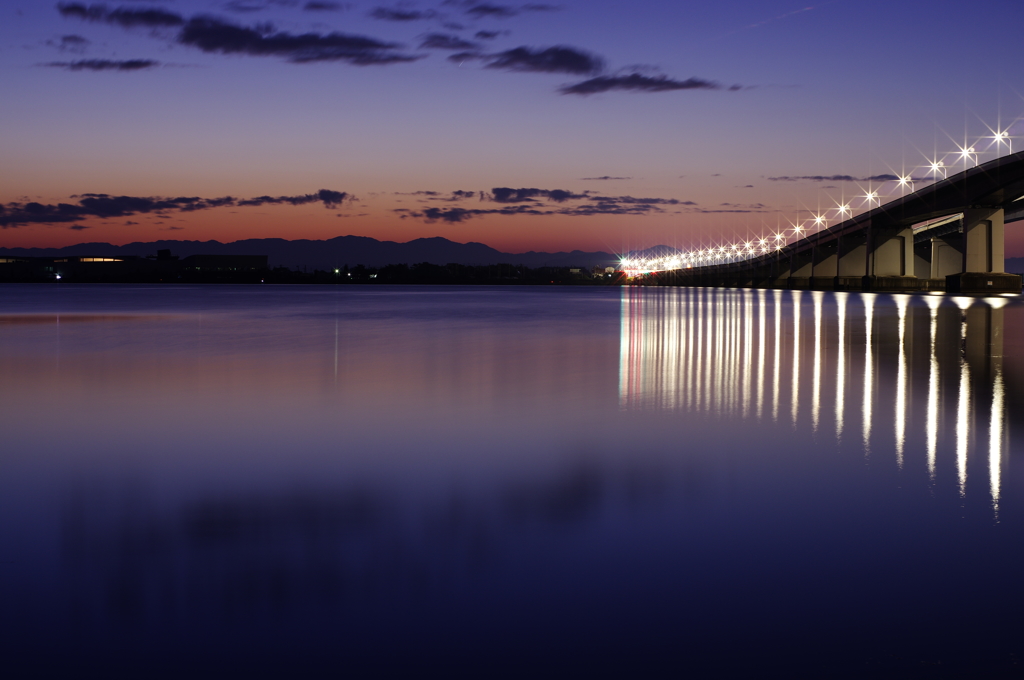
x,y
983,240
947,256
982,268
892,254
801,267
923,260
780,270
851,261
826,261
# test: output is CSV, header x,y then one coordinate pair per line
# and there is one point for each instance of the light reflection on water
x,y
655,352
285,480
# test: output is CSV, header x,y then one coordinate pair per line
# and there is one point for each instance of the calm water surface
x,y
357,481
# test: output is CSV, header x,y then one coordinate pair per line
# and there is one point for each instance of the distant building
x,y
130,268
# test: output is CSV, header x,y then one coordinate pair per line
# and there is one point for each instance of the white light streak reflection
x,y
715,352
748,346
995,443
778,355
932,412
841,299
817,297
761,303
963,404
901,378
795,403
869,375
963,426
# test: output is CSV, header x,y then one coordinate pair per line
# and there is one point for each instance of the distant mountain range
x,y
334,252
355,250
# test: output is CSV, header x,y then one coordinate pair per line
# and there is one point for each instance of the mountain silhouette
x,y
335,252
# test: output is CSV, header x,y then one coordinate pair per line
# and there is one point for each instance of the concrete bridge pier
x,y
780,270
801,268
982,263
890,260
824,265
851,261
947,256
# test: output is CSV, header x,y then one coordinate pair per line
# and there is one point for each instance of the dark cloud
x,y
508,195
107,206
487,35
479,10
213,35
454,215
70,43
330,199
630,200
243,7
708,212
441,41
559,59
484,10
605,177
78,227
591,205
732,208
610,207
122,16
465,56
638,83
385,14
104,65
835,178
322,6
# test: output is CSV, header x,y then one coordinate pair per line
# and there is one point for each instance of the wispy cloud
x,y
401,15
104,65
127,17
70,43
640,83
442,41
835,178
508,195
213,35
482,10
530,202
107,206
323,6
559,59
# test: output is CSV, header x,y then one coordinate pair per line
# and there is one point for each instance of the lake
x,y
243,481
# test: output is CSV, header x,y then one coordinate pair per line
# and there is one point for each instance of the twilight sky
x,y
598,125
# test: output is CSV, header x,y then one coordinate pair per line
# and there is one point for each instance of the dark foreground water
x,y
376,481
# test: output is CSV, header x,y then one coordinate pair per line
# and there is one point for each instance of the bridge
x,y
947,236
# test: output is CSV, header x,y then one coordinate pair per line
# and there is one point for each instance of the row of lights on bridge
x,y
736,252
